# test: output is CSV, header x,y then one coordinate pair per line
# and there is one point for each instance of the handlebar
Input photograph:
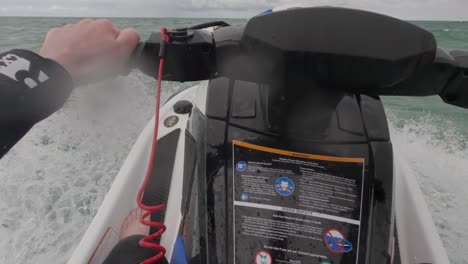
x,y
352,50
190,55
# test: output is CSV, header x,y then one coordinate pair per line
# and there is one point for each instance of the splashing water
x,y
436,150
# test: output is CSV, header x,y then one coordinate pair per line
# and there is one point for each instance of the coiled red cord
x,y
147,242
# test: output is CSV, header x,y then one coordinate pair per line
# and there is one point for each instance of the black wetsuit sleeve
x,y
31,89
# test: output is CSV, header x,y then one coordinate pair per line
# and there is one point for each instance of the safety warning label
x,y
295,208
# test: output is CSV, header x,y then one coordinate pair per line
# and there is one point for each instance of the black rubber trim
x,y
218,98
397,257
190,161
375,120
382,182
157,190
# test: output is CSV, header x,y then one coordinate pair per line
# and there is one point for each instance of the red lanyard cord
x,y
148,242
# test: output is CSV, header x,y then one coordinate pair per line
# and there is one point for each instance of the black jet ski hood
x,y
336,46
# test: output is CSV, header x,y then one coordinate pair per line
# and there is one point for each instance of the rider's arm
x,y
33,86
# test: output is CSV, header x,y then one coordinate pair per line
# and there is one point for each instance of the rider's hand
x,y
90,49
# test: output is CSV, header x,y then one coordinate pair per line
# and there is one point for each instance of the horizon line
x,y
93,16
204,17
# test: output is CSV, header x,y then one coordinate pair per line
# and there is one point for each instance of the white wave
x,y
437,154
55,178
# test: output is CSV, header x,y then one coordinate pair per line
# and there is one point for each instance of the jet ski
x,y
282,152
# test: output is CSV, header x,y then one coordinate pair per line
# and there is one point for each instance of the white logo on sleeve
x,y
11,64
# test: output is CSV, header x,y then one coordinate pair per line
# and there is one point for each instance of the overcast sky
x,y
406,9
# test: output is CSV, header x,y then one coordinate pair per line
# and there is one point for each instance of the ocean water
x,y
53,181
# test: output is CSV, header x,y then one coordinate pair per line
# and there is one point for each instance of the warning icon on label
x,y
336,242
284,186
241,166
263,257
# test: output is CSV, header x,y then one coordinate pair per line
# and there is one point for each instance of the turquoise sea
x,y
54,180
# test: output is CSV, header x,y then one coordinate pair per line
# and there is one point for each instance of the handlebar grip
x,y
187,59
